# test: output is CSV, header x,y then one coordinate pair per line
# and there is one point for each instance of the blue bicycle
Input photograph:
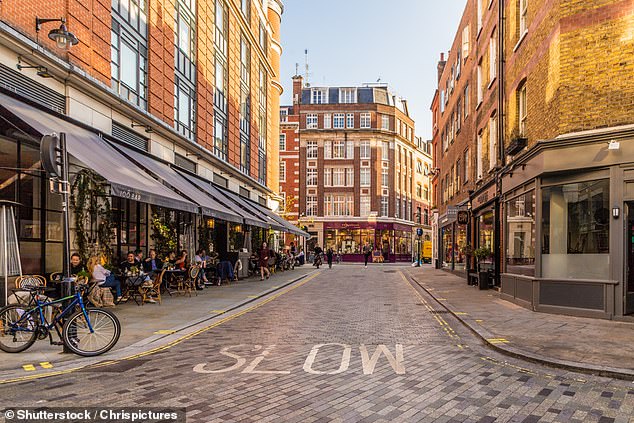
x,y
85,331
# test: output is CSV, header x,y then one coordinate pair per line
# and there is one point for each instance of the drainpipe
x,y
498,242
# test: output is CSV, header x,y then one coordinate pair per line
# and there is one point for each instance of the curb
x,y
484,335
141,347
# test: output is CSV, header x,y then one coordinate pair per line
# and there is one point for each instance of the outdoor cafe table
x,y
131,286
171,276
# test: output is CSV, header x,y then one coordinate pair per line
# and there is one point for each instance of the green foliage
x,y
482,253
94,225
163,235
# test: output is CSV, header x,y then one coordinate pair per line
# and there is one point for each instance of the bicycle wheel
x,y
17,330
80,340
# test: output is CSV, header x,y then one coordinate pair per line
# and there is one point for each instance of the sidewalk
x,y
176,313
595,346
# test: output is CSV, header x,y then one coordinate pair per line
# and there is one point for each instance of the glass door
x,y
629,280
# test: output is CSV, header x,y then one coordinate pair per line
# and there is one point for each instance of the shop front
x,y
453,243
485,251
569,227
393,240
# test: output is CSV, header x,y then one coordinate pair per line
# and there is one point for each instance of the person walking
x,y
264,261
367,252
329,257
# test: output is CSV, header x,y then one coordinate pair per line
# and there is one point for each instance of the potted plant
x,y
482,254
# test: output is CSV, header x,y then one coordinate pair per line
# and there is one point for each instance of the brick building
x,y
289,168
193,86
359,161
565,156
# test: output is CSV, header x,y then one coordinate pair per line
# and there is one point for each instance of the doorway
x,y
629,280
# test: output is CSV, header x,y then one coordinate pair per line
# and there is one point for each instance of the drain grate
x,y
389,271
438,311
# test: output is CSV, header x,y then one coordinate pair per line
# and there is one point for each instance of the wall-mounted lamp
x,y
237,228
148,128
63,38
211,223
41,70
616,212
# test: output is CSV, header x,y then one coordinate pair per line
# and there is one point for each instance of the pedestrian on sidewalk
x,y
264,261
329,257
367,253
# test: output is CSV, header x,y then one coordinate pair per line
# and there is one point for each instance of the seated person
x,y
171,259
200,261
130,262
224,271
76,264
138,256
300,257
152,264
182,262
103,278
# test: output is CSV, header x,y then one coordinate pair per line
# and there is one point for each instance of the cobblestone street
x,y
350,344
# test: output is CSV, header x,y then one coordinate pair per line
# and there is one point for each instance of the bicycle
x,y
85,331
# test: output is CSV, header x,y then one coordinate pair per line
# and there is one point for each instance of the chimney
x,y
441,65
298,84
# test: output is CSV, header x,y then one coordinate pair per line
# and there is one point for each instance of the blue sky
x,y
350,42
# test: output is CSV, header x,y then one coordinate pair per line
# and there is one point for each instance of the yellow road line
x,y
167,346
164,332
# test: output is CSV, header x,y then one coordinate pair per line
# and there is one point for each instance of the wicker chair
x,y
153,291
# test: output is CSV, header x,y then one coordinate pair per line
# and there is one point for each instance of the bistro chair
x,y
189,282
153,291
30,281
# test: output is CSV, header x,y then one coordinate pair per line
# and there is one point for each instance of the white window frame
x,y
492,58
385,150
338,177
365,205
385,178
311,177
523,12
365,150
282,171
385,122
282,142
350,176
327,121
385,206
479,14
327,177
312,121
347,95
523,112
465,42
327,149
479,169
311,205
339,121
350,120
365,121
312,151
492,142
339,149
319,96
365,177
349,150
467,166
479,82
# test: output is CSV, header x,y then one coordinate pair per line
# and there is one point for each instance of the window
x,y
262,127
311,150
467,168
350,120
338,205
419,167
328,177
398,126
245,107
479,14
184,108
492,142
220,136
349,150
311,121
492,58
385,206
347,95
479,82
339,121
466,101
522,108
426,193
262,37
282,142
327,121
350,176
385,150
339,150
365,150
458,171
220,82
339,177
327,149
245,6
385,122
319,96
523,11
365,120
576,230
364,206
282,171
465,42
458,64
311,205
419,191
365,177
129,58
385,178
458,114
520,234
311,177
283,115
397,207
442,101
479,156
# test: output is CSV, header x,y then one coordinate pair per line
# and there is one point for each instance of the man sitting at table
x,y
127,265
152,264
76,264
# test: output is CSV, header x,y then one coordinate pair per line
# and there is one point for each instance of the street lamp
x,y
63,38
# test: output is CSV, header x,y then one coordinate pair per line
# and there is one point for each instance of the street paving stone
x,y
449,376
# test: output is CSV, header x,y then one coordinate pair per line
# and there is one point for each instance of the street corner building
x,y
534,137
170,112
353,171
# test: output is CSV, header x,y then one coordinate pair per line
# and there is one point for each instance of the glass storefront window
x,y
447,242
520,235
485,232
460,257
576,230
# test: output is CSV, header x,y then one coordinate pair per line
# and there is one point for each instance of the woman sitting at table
x,y
104,278
182,262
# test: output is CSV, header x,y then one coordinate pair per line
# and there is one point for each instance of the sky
x,y
351,42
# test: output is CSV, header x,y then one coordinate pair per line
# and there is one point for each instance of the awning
x,y
209,189
126,179
252,208
289,227
208,205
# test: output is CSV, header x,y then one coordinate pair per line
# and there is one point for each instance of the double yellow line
x,y
168,345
